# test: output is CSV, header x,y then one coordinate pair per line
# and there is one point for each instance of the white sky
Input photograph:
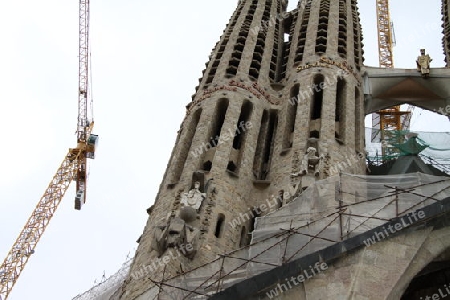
x,y
146,58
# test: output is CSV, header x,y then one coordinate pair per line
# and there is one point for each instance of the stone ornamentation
x,y
180,230
423,63
310,160
193,198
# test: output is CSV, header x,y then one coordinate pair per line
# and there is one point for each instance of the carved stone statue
x,y
310,160
179,231
194,197
176,234
423,63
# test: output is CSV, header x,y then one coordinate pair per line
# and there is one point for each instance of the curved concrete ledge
x,y
385,88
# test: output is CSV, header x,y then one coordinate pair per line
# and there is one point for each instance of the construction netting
x,y
327,212
434,147
105,289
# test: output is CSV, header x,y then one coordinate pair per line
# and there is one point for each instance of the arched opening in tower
x,y
339,108
219,225
433,282
236,56
240,137
244,240
291,115
265,144
214,137
288,25
322,28
221,111
255,214
301,41
358,121
241,131
316,105
258,54
186,145
342,39
357,37
316,111
221,47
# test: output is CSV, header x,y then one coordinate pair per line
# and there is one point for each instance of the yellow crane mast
x,y
391,118
385,41
72,168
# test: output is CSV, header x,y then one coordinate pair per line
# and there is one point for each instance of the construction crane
x,y
391,118
72,168
385,35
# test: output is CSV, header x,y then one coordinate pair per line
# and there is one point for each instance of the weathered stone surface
x,y
273,86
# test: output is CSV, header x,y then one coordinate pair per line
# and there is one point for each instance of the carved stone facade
x,y
261,106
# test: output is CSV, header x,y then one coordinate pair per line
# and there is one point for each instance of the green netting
x,y
412,146
392,144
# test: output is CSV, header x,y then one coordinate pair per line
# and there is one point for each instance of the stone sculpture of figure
x,y
323,161
310,160
176,234
194,197
180,231
423,63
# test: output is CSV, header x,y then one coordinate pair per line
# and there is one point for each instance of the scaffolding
x,y
105,289
328,212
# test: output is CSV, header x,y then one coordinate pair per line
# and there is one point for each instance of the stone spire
x,y
280,103
254,30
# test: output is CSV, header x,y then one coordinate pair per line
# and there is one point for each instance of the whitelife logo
x,y
161,262
305,275
214,142
405,221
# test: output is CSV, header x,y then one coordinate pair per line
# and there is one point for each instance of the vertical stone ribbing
x,y
322,28
255,29
302,35
219,49
446,31
342,38
275,53
252,78
325,36
271,25
332,28
292,21
357,39
235,60
260,46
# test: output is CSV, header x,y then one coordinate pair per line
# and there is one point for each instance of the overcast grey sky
x,y
147,57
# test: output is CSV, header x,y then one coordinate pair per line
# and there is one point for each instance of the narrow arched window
x,y
318,87
214,134
219,225
185,146
244,240
221,111
339,108
242,126
358,120
265,144
291,115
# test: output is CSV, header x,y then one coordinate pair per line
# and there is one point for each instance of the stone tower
x,y
280,100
